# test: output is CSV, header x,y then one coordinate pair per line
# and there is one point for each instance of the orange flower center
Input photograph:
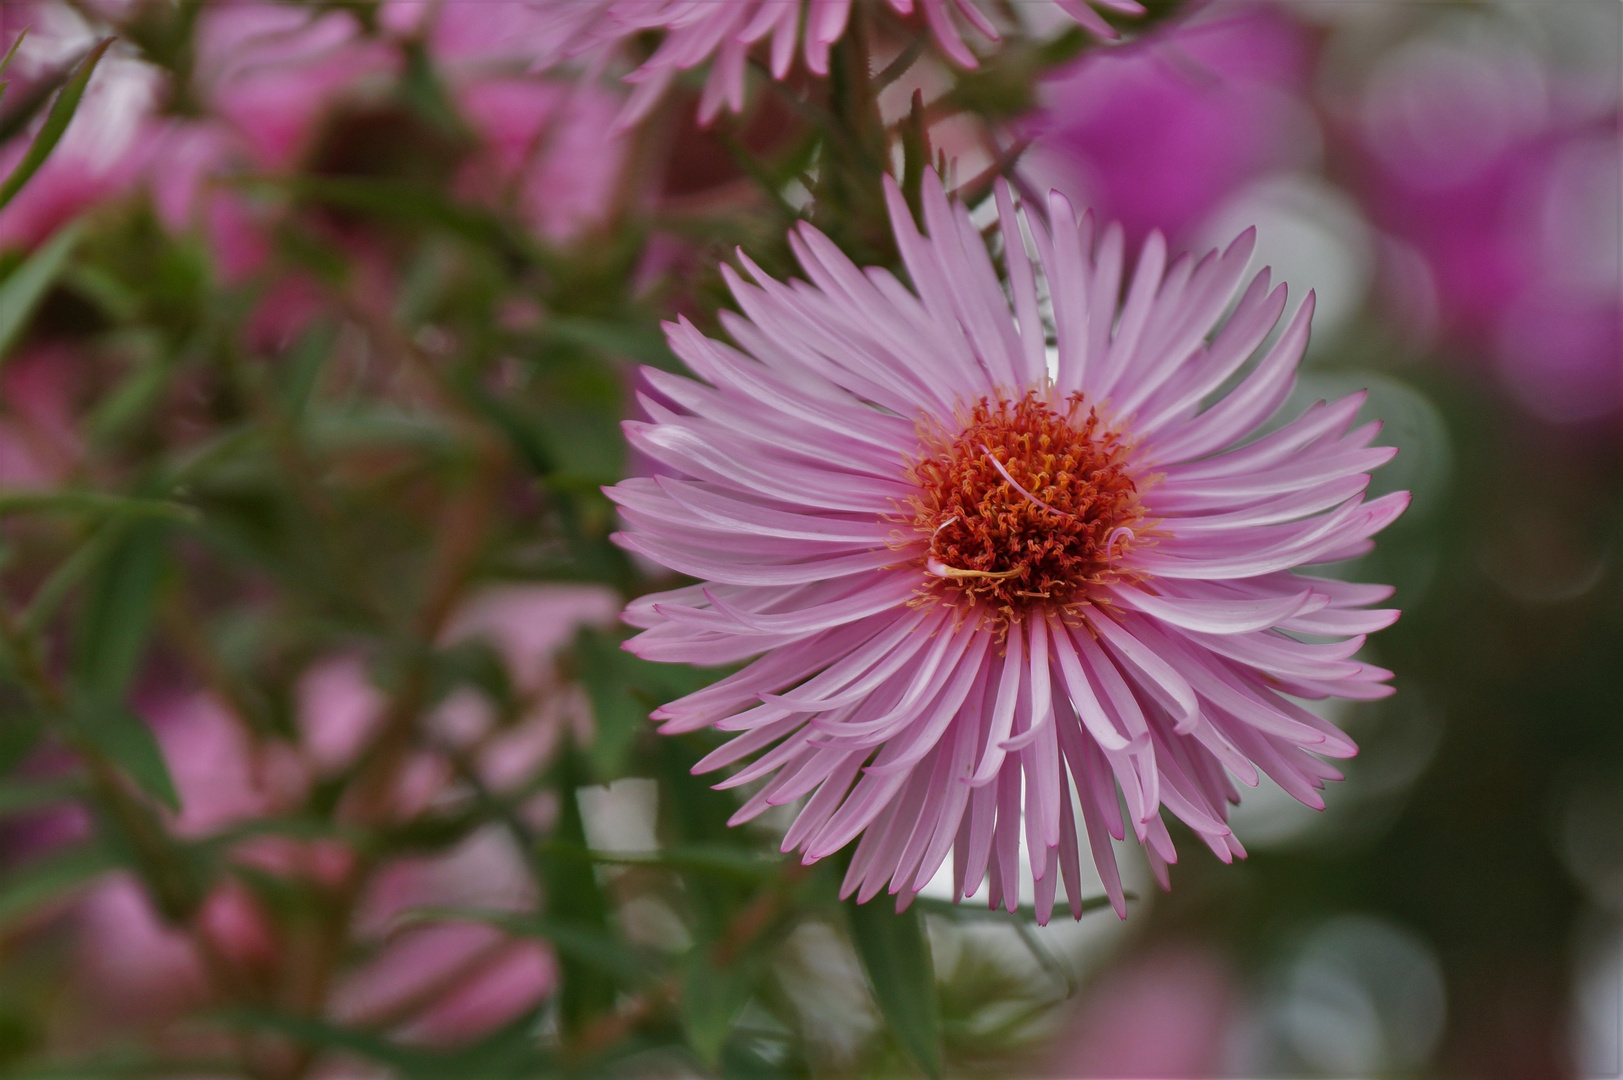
x,y
1027,504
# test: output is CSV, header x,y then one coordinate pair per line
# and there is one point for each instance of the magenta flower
x,y
697,31
1220,93
984,590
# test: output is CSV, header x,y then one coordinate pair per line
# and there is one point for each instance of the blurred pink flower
x,y
966,579
447,981
439,982
98,156
1168,1014
527,624
223,777
39,439
266,75
696,32
133,965
1157,134
338,711
1471,156
548,146
494,38
271,71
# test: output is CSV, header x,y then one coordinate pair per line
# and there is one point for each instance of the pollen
x,y
1026,504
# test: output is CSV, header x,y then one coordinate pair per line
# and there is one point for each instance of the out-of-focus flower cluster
x,y
1482,159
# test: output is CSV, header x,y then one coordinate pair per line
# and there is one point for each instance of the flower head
x,y
984,590
697,31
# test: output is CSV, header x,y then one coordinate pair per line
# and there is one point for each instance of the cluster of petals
x,y
911,716
700,31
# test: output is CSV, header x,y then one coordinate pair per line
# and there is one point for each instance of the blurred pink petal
x,y
212,762
520,977
1155,1017
1159,133
39,439
339,709
134,966
528,623
237,927
548,145
271,70
1471,156
99,154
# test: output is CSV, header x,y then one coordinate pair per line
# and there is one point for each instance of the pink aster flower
x,y
985,591
697,31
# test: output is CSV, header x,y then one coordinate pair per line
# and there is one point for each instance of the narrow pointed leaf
x,y
56,122
55,876
896,956
26,286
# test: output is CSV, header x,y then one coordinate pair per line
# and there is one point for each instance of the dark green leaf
x,y
574,898
300,370
509,1054
94,502
20,725
406,203
712,997
50,878
717,859
56,122
896,956
25,287
84,560
616,338
127,741
11,54
319,1034
623,691
583,441
117,614
22,796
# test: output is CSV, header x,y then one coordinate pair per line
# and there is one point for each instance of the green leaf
x,y
403,202
616,338
117,614
51,878
22,796
717,859
56,122
574,898
319,1034
510,1054
11,54
301,368
896,956
20,726
583,441
112,635
54,589
96,503
25,287
712,997
623,690
127,741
